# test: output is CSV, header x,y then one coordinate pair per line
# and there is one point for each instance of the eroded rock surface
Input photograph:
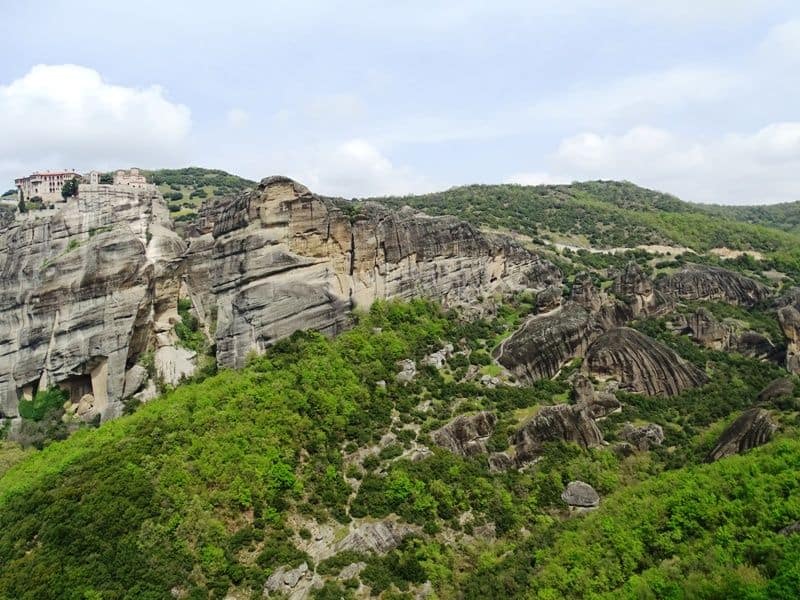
x,y
560,422
703,282
79,294
379,536
641,364
777,388
753,428
286,259
466,434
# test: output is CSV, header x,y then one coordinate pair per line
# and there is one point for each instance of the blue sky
x,y
697,98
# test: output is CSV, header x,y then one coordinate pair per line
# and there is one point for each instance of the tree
x,y
21,205
70,188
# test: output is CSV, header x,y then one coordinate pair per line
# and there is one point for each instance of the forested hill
x,y
606,214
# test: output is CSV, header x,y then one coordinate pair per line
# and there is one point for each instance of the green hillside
x,y
609,214
205,490
186,189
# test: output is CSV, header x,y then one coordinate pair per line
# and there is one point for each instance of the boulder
x,y
580,495
753,428
777,388
135,378
643,438
634,287
408,371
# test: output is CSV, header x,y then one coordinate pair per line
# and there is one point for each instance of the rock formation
x,y
560,422
285,259
640,363
87,290
789,318
777,388
466,434
579,494
643,438
599,404
636,289
80,290
702,282
753,428
545,343
549,299
375,536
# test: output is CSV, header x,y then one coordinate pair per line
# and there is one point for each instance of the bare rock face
x,y
634,287
727,336
778,388
789,318
379,537
549,299
561,422
466,434
702,282
643,438
585,294
293,583
285,259
753,428
600,404
539,348
641,364
580,495
78,295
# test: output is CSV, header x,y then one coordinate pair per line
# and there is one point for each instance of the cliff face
x,y
87,290
77,293
285,259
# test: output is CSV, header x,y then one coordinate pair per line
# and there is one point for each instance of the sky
x,y
699,98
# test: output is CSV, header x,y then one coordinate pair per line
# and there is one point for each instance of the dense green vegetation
x,y
607,214
203,488
185,189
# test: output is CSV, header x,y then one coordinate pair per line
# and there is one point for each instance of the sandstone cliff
x,y
79,291
88,290
285,259
702,282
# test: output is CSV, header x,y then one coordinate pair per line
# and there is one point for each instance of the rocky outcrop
x,y
539,348
79,292
466,435
753,428
561,422
789,318
702,282
777,388
600,404
726,335
641,364
546,342
643,438
579,494
379,537
291,583
634,287
549,299
285,259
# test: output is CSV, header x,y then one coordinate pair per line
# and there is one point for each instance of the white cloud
x,y
741,168
67,116
356,167
237,117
